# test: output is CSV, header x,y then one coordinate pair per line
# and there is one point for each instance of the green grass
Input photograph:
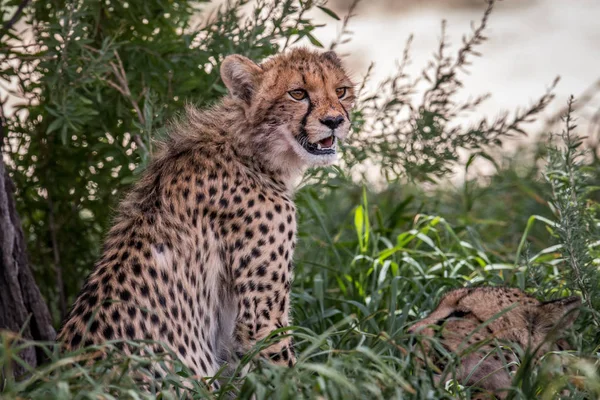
x,y
365,271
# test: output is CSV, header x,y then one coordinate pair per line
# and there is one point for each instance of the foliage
x,y
365,272
422,137
576,227
98,82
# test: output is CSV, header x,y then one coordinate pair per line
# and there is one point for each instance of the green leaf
x,y
64,134
329,12
359,224
314,40
54,125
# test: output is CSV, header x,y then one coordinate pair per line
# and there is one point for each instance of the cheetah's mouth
x,y
322,147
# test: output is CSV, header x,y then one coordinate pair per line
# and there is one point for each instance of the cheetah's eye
x,y
459,314
298,94
340,92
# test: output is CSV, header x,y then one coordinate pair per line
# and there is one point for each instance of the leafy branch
x,y
422,138
576,227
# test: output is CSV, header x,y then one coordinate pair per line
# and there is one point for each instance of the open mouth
x,y
322,147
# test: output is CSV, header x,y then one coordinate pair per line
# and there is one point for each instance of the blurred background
x,y
530,42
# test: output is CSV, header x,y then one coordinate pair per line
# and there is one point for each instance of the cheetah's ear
x,y
333,57
241,76
559,314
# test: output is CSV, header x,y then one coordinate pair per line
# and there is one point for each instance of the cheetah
x,y
474,323
200,254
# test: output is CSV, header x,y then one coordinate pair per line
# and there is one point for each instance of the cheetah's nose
x,y
332,122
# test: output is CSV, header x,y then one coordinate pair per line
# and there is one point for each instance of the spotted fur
x,y
471,322
200,254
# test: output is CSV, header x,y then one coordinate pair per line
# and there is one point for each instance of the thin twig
x,y
18,46
123,88
344,30
583,99
9,24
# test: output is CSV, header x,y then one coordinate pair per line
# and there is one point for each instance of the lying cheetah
x,y
512,316
200,254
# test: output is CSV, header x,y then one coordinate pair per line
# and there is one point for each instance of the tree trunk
x,y
22,308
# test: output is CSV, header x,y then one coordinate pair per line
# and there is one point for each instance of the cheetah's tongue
x,y
327,142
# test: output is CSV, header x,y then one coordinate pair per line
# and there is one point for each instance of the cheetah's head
x,y
298,102
472,322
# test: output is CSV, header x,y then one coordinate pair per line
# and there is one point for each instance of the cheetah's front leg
x,y
263,308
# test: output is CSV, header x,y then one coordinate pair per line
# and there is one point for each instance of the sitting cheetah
x,y
512,316
200,254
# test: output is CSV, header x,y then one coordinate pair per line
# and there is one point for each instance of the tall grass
x,y
365,271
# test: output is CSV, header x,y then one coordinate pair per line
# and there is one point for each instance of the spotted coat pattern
x,y
473,322
200,256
